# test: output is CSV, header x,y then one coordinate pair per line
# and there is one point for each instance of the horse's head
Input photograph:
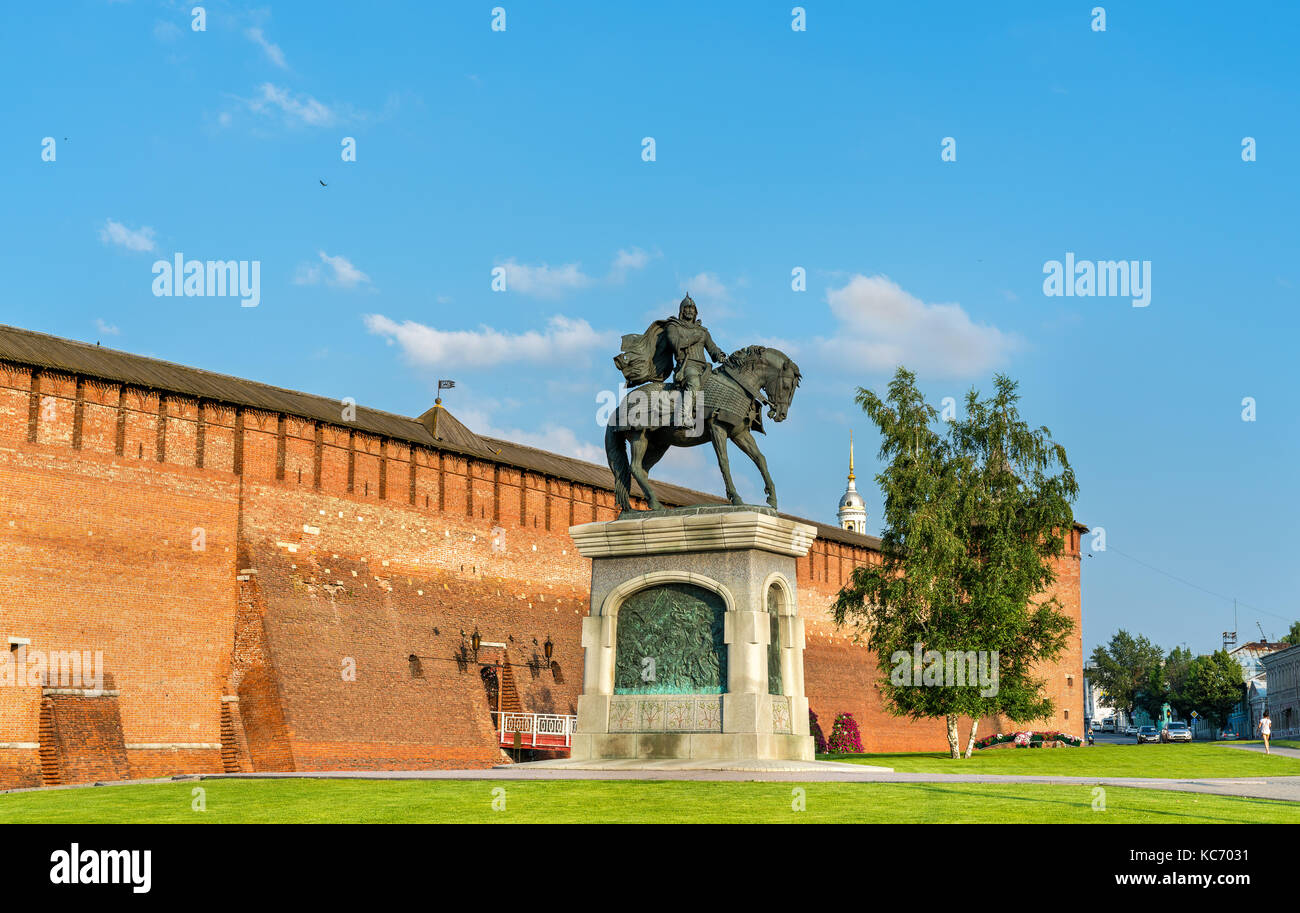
x,y
780,383
773,371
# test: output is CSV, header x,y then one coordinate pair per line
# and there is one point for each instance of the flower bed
x,y
1029,739
844,735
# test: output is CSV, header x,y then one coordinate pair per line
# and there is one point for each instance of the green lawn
x,y
626,801
1197,759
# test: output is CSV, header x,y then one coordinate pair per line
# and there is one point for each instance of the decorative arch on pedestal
x,y
670,635
777,599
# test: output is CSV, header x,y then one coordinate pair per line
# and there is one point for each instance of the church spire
x,y
853,511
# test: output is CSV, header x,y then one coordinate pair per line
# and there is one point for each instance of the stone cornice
x,y
706,532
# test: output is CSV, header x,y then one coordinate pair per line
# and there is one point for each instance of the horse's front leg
x,y
719,435
745,441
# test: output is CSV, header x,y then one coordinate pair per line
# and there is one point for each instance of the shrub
x,y
844,735
819,737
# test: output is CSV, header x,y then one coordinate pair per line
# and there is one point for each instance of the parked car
x,y
1228,736
1108,724
1177,731
1131,730
1148,734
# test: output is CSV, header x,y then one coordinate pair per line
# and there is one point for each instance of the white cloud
x,y
341,272
706,286
106,328
272,51
301,109
116,233
486,347
625,261
544,281
882,326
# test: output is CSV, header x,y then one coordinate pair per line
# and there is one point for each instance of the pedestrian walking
x,y
1265,729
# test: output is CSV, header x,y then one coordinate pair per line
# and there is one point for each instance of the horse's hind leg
x,y
745,441
639,446
655,449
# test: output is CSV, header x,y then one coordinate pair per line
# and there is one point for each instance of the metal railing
x,y
536,730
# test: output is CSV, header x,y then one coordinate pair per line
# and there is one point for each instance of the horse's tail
x,y
616,454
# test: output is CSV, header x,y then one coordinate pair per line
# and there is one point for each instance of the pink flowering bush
x,y
844,736
1023,739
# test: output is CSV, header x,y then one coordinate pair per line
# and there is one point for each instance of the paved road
x,y
1114,738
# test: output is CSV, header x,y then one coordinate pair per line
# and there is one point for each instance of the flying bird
x,y
322,183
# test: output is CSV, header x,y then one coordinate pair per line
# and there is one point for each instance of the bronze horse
x,y
728,407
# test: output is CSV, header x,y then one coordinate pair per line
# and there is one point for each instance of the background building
x,y
1282,673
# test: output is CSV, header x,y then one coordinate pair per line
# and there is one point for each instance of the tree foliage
x,y
1214,686
1293,636
974,516
1127,672
1133,675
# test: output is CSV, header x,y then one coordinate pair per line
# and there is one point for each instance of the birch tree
x,y
974,517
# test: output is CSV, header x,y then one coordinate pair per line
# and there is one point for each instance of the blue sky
x,y
775,149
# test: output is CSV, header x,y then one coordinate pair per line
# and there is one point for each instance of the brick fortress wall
x,y
259,583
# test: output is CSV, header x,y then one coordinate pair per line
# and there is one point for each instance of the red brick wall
x,y
368,589
88,738
97,554
105,486
19,767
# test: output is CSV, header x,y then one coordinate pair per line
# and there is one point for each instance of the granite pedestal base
x,y
709,664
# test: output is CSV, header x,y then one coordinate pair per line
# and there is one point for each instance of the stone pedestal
x,y
709,664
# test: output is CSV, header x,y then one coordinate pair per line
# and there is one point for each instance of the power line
x,y
1195,586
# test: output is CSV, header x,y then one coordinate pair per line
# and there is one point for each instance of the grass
x,y
626,801
1196,759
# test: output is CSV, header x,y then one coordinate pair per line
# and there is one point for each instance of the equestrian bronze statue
x,y
702,404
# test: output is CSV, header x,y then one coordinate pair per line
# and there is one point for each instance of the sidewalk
x,y
1284,752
